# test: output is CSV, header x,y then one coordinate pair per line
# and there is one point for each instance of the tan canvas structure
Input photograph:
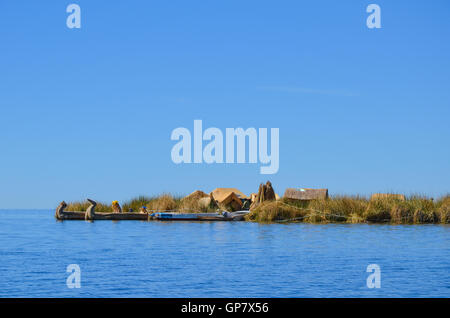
x,y
305,194
230,197
231,200
378,196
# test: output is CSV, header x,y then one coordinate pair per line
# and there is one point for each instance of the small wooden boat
x,y
176,216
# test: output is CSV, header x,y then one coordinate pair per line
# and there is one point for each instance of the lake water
x,y
219,259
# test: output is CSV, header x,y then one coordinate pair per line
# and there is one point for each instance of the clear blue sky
x,y
89,112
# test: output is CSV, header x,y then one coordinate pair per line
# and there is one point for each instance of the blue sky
x,y
89,112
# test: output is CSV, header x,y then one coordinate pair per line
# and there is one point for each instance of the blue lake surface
x,y
219,259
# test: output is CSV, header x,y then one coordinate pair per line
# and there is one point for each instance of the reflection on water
x,y
221,259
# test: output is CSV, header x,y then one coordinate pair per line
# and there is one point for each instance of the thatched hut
x,y
221,192
198,200
304,194
196,195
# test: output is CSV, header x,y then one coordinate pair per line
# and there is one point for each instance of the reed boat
x,y
80,215
90,214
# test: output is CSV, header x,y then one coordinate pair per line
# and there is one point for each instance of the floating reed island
x,y
296,205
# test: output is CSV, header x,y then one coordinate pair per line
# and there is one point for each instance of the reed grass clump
x,y
192,205
82,206
137,203
443,209
339,209
356,209
379,210
413,210
271,211
164,202
425,210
